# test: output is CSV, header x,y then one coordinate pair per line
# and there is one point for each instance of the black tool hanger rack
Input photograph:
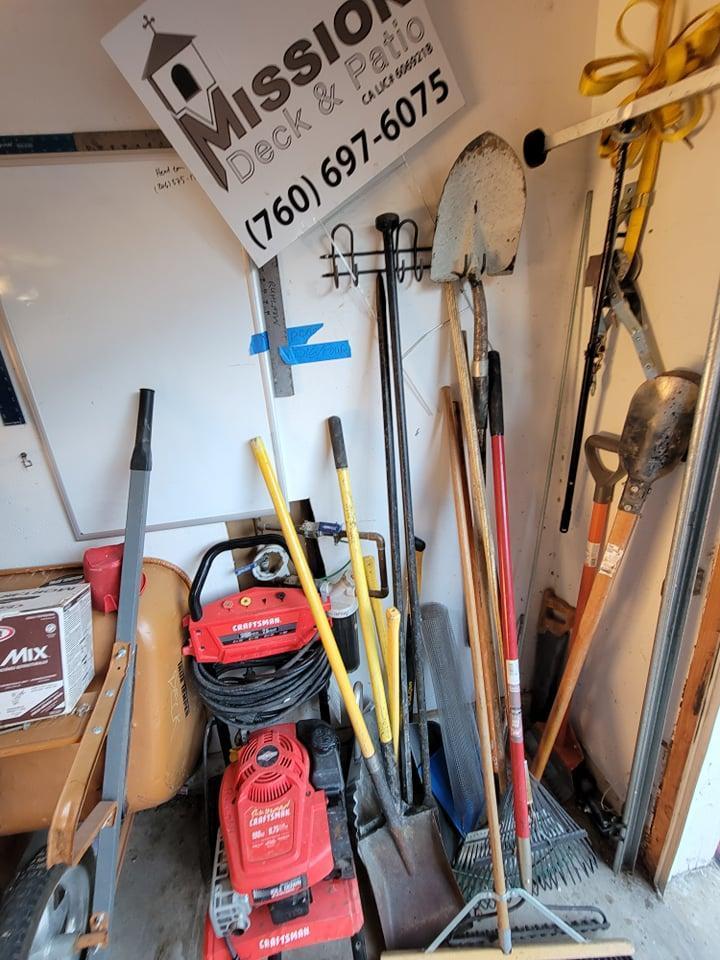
x,y
411,260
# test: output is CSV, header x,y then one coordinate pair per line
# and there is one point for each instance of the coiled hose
x,y
261,692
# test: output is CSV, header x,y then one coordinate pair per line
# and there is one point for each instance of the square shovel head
x,y
414,904
481,213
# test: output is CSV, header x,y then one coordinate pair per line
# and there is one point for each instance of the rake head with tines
x,y
561,852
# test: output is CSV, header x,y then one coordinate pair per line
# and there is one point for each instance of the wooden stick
x,y
617,949
478,495
615,548
477,481
480,652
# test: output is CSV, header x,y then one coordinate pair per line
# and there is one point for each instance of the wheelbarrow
x,y
129,744
51,771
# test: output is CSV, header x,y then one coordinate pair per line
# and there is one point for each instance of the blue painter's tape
x,y
315,352
259,343
298,350
299,336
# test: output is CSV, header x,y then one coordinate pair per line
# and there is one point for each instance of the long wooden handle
x,y
596,535
478,634
477,481
479,504
597,949
617,543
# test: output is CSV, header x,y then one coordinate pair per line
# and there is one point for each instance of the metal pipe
x,y
700,477
398,597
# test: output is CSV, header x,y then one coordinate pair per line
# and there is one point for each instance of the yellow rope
x,y
670,61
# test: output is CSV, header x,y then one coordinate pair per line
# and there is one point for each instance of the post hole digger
x,y
653,441
559,621
414,887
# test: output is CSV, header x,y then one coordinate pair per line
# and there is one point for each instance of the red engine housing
x,y
277,842
273,821
255,623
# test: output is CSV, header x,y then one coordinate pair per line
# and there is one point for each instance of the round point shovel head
x,y
657,427
480,214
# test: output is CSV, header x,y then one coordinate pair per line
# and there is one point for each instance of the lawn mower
x,y
284,875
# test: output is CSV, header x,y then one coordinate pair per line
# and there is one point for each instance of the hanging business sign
x,y
284,108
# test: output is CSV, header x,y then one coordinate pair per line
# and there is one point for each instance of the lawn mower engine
x,y
284,875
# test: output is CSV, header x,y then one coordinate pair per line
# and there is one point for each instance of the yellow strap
x,y
670,61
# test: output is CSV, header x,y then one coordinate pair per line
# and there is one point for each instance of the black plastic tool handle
x,y
337,440
225,546
142,454
496,416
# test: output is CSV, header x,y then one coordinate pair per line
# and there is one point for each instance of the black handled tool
x,y
593,351
387,224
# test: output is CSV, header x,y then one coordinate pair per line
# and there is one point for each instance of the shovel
x,y
415,891
478,229
654,440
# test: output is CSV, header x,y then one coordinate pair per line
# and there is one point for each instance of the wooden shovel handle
x,y
477,481
478,633
617,543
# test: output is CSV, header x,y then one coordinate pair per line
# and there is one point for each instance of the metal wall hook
x,y
417,267
348,257
414,262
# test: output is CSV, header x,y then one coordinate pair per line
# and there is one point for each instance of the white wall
x,y
69,83
678,283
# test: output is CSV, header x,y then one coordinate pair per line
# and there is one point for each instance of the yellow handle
x,y
299,559
377,607
364,609
392,664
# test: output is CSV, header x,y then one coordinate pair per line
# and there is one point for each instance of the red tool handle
x,y
507,604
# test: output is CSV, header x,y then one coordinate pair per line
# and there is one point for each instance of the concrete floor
x,y
162,900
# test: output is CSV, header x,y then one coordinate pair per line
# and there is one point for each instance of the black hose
x,y
261,692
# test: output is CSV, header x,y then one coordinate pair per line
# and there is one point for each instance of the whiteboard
x,y
117,274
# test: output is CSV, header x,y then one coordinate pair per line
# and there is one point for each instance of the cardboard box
x,y
46,651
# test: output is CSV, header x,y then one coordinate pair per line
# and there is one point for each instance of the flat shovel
x,y
654,440
413,884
